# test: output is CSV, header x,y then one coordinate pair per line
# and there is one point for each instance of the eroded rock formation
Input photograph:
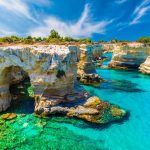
x,y
53,71
128,59
86,67
145,67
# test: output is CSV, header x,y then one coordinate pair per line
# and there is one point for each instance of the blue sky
x,y
98,19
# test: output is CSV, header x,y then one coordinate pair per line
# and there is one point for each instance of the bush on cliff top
x,y
144,39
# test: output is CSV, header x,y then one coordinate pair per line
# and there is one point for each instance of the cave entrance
x,y
22,96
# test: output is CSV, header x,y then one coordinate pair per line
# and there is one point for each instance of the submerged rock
x,y
9,116
145,67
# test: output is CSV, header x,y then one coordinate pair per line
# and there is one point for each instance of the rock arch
x,y
9,76
42,67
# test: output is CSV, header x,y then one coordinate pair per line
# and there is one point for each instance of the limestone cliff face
x,y
145,67
86,67
51,69
128,59
111,47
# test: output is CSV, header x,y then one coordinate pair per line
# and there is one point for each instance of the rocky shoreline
x,y
128,59
52,71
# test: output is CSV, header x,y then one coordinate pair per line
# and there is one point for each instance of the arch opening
x,y
19,89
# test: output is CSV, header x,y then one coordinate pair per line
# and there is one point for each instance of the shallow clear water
x,y
130,90
109,56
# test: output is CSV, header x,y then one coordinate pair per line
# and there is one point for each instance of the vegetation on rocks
x,y
54,37
144,39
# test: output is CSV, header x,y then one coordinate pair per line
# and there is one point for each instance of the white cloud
x,y
39,2
17,7
84,27
140,11
120,1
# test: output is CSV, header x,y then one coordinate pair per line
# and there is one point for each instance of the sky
x,y
96,19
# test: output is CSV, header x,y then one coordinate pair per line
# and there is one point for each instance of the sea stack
x,y
86,66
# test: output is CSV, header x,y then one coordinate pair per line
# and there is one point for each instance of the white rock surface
x,y
145,67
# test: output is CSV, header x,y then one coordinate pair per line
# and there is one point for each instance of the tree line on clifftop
x,y
55,38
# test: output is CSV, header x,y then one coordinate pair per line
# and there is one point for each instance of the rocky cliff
x,y
145,67
86,66
52,71
128,59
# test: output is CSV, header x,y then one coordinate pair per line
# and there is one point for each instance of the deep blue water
x,y
128,89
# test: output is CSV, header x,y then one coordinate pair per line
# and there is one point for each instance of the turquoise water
x,y
109,56
130,90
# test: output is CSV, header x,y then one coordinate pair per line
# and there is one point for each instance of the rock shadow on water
x,y
119,85
125,86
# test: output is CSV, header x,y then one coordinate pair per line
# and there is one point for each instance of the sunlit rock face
x,y
145,67
128,59
86,67
109,47
51,69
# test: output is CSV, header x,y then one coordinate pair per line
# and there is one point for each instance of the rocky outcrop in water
x,y
128,59
91,109
145,67
53,71
97,111
86,67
